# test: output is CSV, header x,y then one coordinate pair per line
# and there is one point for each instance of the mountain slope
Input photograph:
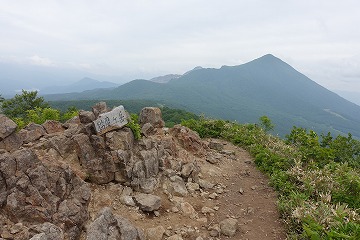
x,y
264,86
79,86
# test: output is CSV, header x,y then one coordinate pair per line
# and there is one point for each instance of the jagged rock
x,y
52,126
62,144
11,143
86,116
147,202
100,108
122,139
100,169
155,233
34,192
7,126
187,169
32,132
187,209
205,184
151,162
151,115
228,227
188,139
216,145
192,187
127,200
205,210
211,159
176,186
48,231
148,185
147,129
108,226
214,230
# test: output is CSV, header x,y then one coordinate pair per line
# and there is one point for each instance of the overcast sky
x,y
150,38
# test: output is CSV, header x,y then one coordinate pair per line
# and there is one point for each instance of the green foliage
x,y
18,106
318,180
205,127
133,124
40,115
27,107
71,112
266,123
175,116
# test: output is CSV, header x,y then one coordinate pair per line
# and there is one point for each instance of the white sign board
x,y
111,120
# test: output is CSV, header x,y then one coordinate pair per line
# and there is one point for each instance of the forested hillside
x,y
265,86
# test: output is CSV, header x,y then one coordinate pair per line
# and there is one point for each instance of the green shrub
x,y
318,180
133,124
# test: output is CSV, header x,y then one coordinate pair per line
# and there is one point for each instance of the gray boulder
x,y
108,226
147,202
151,115
7,126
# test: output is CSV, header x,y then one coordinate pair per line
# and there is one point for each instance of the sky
x,y
150,38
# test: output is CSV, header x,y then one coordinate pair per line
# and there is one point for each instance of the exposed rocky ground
x,y
63,181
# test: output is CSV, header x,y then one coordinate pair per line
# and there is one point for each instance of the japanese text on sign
x,y
111,120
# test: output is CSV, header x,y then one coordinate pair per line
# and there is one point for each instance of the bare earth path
x,y
242,192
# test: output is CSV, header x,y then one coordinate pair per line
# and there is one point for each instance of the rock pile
x,y
46,172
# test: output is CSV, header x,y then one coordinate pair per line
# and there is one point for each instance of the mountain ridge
x,y
264,86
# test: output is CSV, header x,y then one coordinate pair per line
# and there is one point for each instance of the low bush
x,y
317,177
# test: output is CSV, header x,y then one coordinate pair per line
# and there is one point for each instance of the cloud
x,y
41,61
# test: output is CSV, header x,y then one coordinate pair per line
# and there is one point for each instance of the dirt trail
x,y
242,193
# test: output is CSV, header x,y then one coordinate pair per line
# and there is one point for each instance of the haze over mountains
x,y
264,86
48,79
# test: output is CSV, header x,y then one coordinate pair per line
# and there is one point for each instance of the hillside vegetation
x,y
265,86
317,177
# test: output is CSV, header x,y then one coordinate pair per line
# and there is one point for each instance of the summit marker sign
x,y
114,119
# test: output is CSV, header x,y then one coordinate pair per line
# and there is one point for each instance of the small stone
x,y
216,208
127,200
253,187
155,233
213,195
241,191
214,233
228,227
147,202
219,190
157,213
174,209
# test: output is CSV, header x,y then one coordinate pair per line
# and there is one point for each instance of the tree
x,y
20,104
266,123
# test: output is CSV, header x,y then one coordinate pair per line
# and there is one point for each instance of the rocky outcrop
x,y
7,126
188,139
44,170
35,192
151,115
108,226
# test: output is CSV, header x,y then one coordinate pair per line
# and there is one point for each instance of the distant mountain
x,y
79,86
264,86
14,77
165,79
